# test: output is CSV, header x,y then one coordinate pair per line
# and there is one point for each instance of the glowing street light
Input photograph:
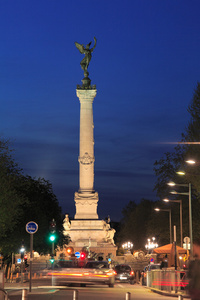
x,y
189,194
151,244
190,161
180,172
170,220
171,183
181,217
127,246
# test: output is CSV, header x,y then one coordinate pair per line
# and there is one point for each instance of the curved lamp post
x,y
170,220
189,194
181,216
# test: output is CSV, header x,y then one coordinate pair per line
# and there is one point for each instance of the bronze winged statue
x,y
87,51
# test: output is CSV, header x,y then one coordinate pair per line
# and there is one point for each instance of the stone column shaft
x,y
86,148
86,199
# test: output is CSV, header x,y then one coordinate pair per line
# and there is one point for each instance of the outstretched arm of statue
x,y
95,42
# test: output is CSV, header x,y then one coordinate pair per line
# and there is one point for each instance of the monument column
x,y
86,199
86,230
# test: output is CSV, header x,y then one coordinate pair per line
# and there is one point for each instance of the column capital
x,y
86,95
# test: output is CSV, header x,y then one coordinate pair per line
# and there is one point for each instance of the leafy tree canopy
x,y
24,199
140,221
166,168
134,226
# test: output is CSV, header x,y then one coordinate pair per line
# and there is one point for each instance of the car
x,y
95,264
124,273
148,268
94,272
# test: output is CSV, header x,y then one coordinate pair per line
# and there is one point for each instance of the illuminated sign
x,y
77,254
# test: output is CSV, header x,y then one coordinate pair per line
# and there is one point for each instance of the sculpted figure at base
x,y
87,51
66,223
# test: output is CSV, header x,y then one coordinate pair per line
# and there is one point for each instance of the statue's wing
x,y
80,47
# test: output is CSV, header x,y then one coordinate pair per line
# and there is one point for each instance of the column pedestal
x,y
86,205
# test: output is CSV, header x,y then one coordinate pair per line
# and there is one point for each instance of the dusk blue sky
x,y
146,66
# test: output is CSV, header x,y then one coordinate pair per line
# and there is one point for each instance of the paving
x,y
40,288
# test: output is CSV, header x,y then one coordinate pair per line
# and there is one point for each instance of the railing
x,y
171,281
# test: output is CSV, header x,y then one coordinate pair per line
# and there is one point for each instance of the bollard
x,y
128,296
24,294
75,295
180,297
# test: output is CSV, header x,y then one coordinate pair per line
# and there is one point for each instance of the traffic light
x,y
69,250
52,237
22,250
83,255
52,259
25,261
52,229
52,226
22,255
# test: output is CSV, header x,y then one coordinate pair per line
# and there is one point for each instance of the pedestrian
x,y
164,263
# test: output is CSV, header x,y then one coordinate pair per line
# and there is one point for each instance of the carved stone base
x,y
86,205
95,234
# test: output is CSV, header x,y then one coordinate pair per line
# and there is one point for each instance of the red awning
x,y
168,248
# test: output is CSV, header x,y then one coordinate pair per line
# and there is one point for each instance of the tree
x,y
134,226
126,229
42,206
165,168
192,135
193,130
11,202
24,199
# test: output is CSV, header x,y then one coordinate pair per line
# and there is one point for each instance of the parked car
x,y
124,273
148,268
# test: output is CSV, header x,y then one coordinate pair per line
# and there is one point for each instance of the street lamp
x,y
170,220
190,161
151,244
22,250
127,246
181,217
189,194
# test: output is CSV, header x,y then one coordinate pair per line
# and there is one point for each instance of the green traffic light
x,y
52,238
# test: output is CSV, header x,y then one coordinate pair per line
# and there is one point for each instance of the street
x,y
95,292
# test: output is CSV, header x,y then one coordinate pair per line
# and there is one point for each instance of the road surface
x,y
97,292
